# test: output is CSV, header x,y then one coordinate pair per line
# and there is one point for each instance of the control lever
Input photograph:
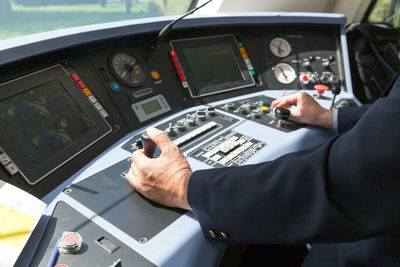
x,y
282,113
335,92
148,145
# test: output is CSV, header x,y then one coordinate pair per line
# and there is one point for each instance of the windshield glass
x,y
22,17
386,11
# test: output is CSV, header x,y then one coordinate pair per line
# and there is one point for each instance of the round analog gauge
x,y
127,69
284,73
280,47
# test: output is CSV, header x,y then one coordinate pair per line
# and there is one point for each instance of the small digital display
x,y
213,65
151,107
44,120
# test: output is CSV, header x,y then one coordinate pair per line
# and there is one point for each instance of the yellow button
x,y
224,235
264,108
212,234
86,91
155,75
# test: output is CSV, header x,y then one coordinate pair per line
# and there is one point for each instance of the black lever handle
x,y
282,113
148,145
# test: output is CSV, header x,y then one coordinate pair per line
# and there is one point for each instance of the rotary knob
x,y
190,120
241,110
210,111
201,115
170,130
180,126
256,114
229,106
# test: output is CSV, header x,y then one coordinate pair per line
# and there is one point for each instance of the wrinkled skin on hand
x,y
164,179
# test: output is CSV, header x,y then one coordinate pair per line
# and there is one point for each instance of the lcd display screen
x,y
151,107
213,65
44,120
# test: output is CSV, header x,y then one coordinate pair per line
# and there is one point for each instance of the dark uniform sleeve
x,y
345,190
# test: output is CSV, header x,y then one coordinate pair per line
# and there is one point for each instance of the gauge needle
x,y
279,48
124,73
284,75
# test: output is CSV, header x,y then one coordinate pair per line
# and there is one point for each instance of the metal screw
x,y
67,190
143,240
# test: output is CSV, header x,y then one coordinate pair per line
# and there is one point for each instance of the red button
x,y
74,77
321,88
81,84
70,239
172,53
305,78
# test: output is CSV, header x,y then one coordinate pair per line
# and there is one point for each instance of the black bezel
x,y
179,45
116,76
34,172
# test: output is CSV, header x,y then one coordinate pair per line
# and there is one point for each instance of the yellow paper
x,y
14,226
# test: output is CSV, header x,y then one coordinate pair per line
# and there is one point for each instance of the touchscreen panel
x,y
212,65
45,121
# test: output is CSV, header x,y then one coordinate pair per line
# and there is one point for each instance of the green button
x,y
1,150
253,72
240,44
263,100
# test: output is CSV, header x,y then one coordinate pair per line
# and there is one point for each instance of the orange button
x,y
86,91
155,75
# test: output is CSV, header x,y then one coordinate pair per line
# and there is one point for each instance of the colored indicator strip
x,y
178,69
246,59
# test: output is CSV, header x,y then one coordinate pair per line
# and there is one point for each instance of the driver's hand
x,y
164,179
307,110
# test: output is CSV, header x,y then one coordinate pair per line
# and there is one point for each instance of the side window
x,y
387,12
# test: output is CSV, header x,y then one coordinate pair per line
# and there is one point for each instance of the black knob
x,y
282,113
336,90
148,145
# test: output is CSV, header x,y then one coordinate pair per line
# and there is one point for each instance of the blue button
x,y
115,87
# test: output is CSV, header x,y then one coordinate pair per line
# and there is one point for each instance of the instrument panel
x,y
210,89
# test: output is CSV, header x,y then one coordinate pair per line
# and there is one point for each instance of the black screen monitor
x,y
212,65
45,120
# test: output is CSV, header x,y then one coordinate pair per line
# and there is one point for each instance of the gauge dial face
x,y
280,47
127,69
284,73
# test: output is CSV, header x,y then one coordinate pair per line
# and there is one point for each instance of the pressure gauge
x,y
284,73
280,47
127,69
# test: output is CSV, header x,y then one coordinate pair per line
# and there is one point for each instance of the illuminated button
x,y
155,75
263,102
103,113
74,77
86,91
11,168
81,84
240,44
92,99
98,106
4,159
115,87
264,109
253,72
172,53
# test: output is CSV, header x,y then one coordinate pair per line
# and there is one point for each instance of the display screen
x,y
151,107
213,65
44,120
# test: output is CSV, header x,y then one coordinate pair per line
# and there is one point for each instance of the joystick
x,y
148,145
335,92
282,113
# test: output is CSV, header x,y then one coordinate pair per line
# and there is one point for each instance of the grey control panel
x,y
189,129
228,149
259,109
